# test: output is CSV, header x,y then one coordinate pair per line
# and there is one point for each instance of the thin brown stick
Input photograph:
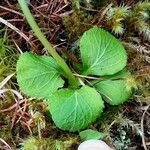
x,y
89,9
11,10
57,11
22,111
12,107
15,113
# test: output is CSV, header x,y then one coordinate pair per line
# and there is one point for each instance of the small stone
x,y
94,145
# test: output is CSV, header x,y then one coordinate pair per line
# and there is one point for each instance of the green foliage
x,y
79,107
115,92
105,57
38,76
133,18
91,134
76,108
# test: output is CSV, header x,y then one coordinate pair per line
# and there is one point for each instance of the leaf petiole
x,y
72,80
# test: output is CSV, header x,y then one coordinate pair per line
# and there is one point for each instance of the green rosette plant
x,y
78,104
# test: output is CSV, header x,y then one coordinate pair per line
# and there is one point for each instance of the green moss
x,y
76,24
6,101
6,118
138,18
8,57
96,4
34,143
131,20
100,3
108,117
115,18
5,130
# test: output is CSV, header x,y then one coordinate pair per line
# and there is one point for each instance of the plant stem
x,y
72,80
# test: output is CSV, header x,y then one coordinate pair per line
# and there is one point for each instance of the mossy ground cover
x,y
26,121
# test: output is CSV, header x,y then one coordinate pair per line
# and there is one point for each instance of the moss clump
x,y
116,17
34,143
76,24
100,3
5,130
96,4
133,19
139,19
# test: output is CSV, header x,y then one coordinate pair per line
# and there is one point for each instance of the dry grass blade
x,y
14,28
5,143
3,90
5,80
17,31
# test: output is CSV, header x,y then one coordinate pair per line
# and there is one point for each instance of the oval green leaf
x,y
115,92
90,134
123,74
38,76
101,53
75,109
